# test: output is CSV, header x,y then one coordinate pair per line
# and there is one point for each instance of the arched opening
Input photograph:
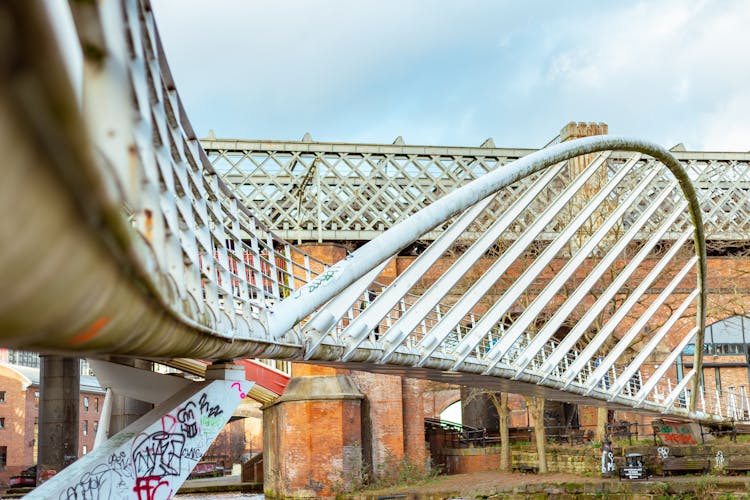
x,y
452,412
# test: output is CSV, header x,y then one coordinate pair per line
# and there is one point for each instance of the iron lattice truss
x,y
583,265
341,192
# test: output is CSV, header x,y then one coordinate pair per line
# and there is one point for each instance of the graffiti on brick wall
x,y
674,432
152,464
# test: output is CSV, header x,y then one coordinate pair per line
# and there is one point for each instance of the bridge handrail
x,y
221,280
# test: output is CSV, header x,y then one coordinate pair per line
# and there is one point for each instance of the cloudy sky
x,y
455,73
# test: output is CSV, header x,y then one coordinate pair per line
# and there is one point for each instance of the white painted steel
x,y
672,397
324,321
609,327
356,332
403,327
530,273
643,318
204,278
584,287
469,299
649,348
542,300
396,180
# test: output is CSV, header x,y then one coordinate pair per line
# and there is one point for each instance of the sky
x,y
456,73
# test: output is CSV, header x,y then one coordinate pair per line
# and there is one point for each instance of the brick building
x,y
726,360
19,413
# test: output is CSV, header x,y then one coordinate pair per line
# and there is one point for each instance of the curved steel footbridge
x,y
120,237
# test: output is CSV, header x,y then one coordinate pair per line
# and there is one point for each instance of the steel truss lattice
x,y
317,191
591,254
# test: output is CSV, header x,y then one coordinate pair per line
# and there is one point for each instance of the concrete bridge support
x,y
126,410
153,456
58,414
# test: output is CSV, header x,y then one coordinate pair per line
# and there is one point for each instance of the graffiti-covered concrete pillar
x,y
153,456
58,414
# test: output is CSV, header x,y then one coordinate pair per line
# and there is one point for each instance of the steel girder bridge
x,y
121,238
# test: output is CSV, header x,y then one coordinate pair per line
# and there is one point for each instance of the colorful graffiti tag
x,y
674,432
151,462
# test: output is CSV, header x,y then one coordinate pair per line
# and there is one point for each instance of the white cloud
x,y
449,72
728,126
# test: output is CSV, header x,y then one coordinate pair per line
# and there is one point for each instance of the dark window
x,y
3,457
2,422
86,403
36,399
2,396
96,426
728,349
96,405
717,374
85,427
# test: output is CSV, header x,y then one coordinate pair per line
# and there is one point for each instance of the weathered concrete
x,y
58,414
126,410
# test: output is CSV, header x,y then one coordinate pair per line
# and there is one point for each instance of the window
x,y
96,405
728,348
717,375
86,403
3,457
2,422
85,449
2,396
85,427
36,399
24,358
96,426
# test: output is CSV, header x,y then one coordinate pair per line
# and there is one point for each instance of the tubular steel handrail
x,y
169,262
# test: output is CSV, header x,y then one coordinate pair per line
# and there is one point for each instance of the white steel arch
x,y
128,243
181,255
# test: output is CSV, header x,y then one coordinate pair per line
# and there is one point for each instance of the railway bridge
x,y
579,272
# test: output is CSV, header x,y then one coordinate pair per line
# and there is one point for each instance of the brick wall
x,y
385,407
313,438
382,420
439,396
21,413
13,436
88,418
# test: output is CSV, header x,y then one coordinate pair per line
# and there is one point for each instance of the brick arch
x,y
437,399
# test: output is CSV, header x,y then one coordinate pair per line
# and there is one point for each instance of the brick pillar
x,y
58,414
382,422
576,165
413,391
312,438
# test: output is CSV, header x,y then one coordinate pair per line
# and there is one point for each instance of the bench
x,y
685,464
525,469
740,463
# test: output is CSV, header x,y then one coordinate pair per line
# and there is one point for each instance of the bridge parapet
x,y
325,191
